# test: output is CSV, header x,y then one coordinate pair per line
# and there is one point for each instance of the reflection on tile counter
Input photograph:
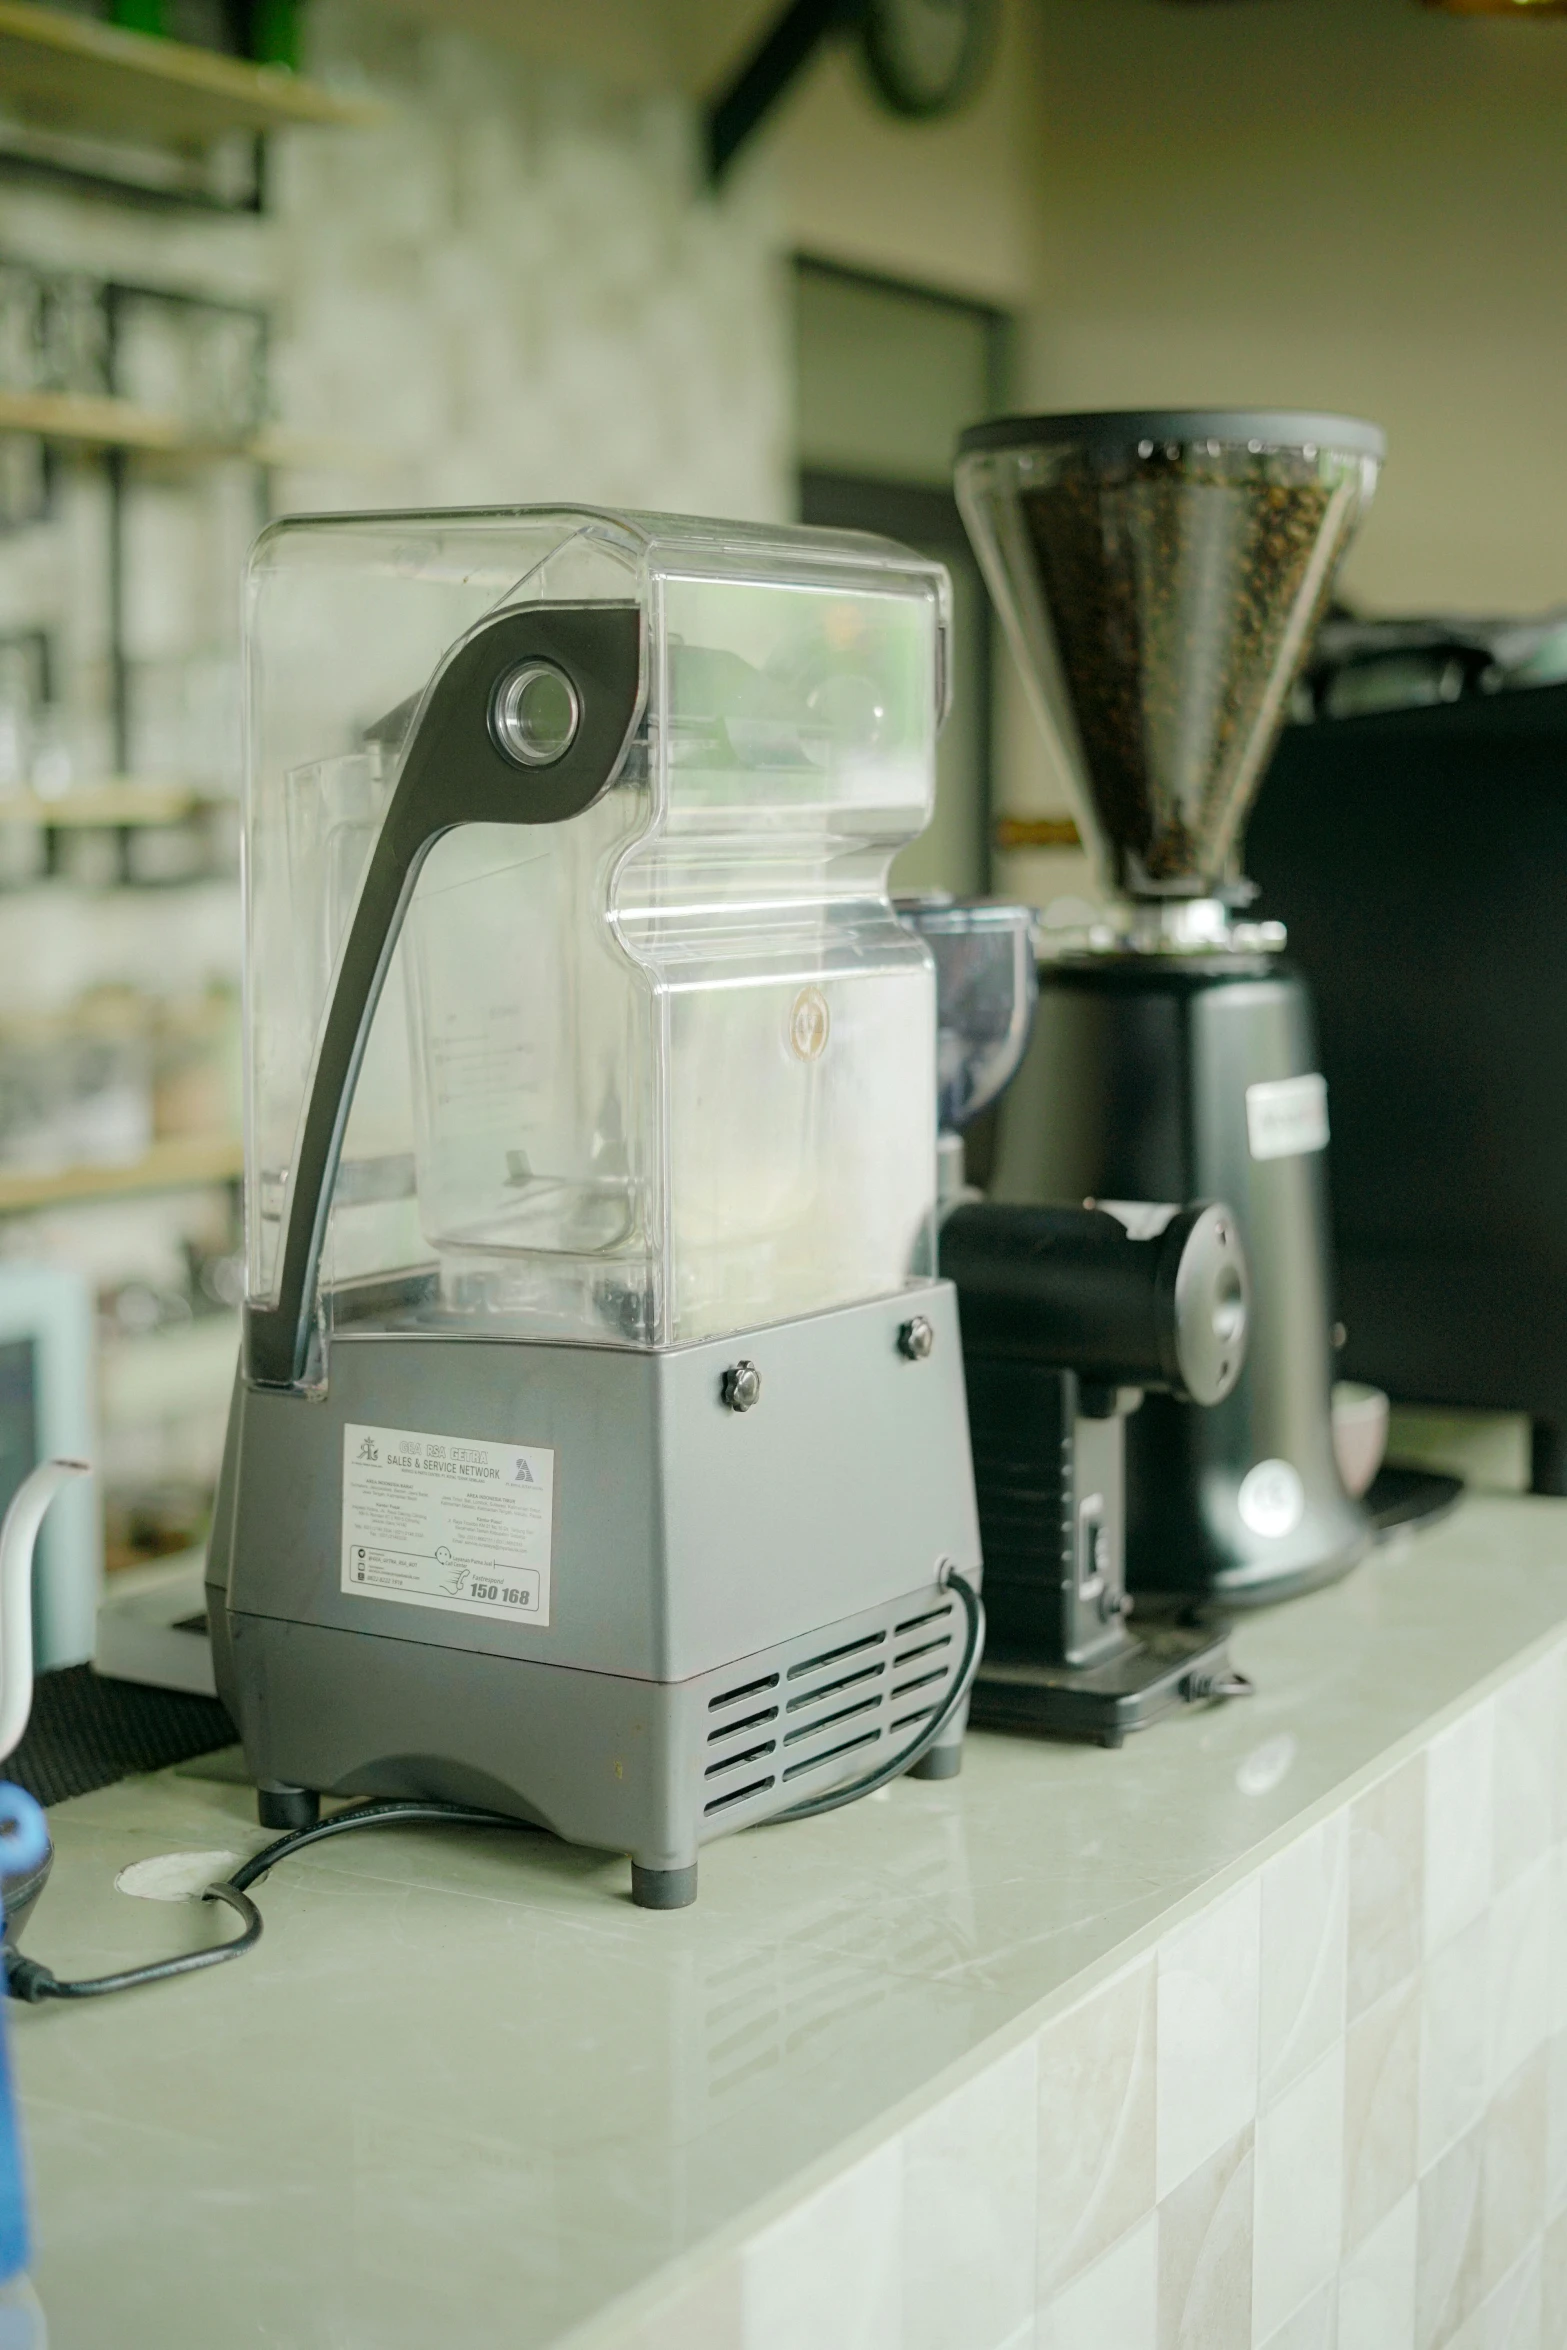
x,y
1139,2050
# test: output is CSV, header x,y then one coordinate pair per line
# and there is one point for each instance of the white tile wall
x,y
1459,1825
829,2270
1300,2195
1327,2112
970,2211
1096,2124
1305,1949
1117,2300
1208,1973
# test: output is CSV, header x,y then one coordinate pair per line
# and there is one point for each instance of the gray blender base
x,y
647,1768
1154,1674
744,1610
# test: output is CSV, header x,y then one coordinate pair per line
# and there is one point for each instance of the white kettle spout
x,y
18,1536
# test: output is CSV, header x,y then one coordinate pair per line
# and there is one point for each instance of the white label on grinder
x,y
439,1521
1287,1116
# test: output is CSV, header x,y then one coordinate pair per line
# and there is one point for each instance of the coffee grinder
x,y
598,1453
1069,1316
1161,575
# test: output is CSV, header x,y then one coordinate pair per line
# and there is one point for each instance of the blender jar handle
x,y
467,761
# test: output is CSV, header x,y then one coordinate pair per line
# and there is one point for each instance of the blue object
x,y
24,1841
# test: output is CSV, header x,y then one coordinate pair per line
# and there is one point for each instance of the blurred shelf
x,y
85,420
90,422
72,73
168,1166
1037,832
117,800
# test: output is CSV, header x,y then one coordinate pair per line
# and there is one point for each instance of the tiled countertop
x,y
465,2094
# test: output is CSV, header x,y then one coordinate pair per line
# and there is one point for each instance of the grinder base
x,y
1156,1672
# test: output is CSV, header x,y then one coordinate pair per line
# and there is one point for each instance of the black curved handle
x,y
452,773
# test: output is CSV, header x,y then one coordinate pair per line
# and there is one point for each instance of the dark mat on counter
x,y
86,1732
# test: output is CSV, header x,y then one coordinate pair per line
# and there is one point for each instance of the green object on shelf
x,y
275,32
139,16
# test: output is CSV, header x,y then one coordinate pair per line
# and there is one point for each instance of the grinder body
x,y
1173,1076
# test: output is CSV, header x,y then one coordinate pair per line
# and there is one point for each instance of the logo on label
x,y
524,1475
1272,1499
367,1450
810,1024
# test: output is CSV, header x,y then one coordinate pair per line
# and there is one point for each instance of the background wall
x,y
518,289
1341,203
1345,203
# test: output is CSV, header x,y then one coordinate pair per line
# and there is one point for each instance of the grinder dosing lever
x,y
1068,1315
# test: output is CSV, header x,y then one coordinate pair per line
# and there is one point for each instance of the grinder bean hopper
x,y
1161,576
598,1453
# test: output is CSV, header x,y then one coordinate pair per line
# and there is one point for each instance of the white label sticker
x,y
437,1521
1287,1116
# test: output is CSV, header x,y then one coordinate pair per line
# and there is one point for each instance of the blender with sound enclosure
x,y
598,1453
1161,576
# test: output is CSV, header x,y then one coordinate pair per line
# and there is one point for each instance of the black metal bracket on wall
x,y
778,59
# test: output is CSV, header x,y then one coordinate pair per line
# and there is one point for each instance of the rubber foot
x,y
663,1888
942,1762
287,1807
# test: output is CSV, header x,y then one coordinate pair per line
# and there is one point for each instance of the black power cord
x,y
28,1979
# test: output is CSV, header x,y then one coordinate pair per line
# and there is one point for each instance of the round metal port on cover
x,y
916,1339
535,714
742,1386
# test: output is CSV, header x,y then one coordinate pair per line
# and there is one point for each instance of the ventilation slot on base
x,y
814,1762
833,1656
769,1713
920,1681
831,1689
845,1713
746,1689
907,1721
733,1762
934,1615
925,1648
737,1795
